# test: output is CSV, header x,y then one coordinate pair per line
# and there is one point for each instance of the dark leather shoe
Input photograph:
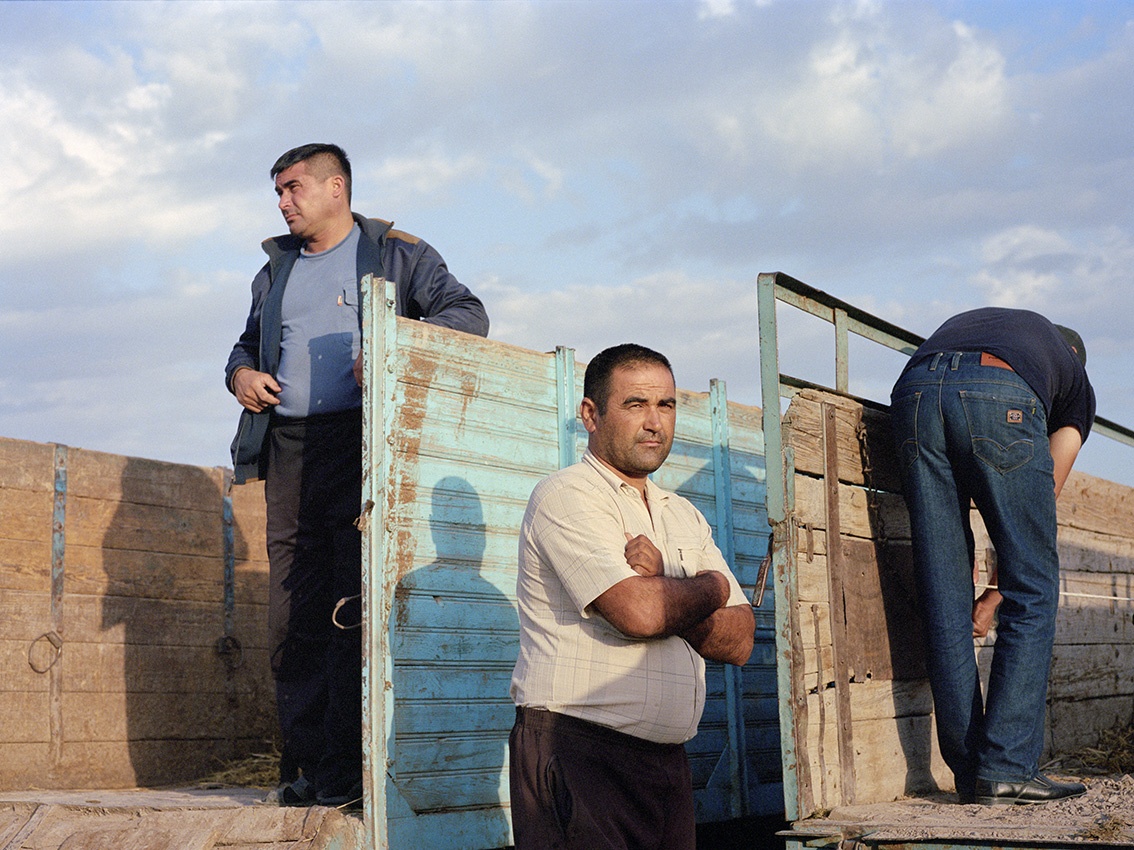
x,y
298,793
1037,790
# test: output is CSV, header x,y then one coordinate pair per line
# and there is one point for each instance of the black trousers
x,y
579,786
313,490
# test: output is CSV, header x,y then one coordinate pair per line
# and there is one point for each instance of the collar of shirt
x,y
655,495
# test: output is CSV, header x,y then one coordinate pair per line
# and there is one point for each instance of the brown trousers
x,y
579,786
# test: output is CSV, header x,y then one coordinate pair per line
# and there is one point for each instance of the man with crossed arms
x,y
622,595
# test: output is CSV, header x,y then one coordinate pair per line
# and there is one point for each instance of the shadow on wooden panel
x,y
456,639
187,706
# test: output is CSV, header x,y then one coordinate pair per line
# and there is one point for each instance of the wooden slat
x,y
803,430
27,466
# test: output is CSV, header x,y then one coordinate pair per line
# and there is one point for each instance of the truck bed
x,y
1103,817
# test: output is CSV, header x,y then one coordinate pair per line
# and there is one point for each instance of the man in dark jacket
x,y
992,409
297,371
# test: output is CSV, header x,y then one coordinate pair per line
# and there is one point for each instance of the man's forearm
x,y
657,606
725,635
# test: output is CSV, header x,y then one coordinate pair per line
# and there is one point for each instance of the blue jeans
x,y
970,432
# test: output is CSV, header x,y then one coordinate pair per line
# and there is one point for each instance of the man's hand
x,y
357,369
984,610
643,556
256,391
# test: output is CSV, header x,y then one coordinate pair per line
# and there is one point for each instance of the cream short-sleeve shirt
x,y
571,550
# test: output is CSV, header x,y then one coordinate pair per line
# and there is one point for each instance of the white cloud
x,y
402,178
609,170
708,9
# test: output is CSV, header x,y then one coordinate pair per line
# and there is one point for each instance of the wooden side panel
x,y
890,707
135,692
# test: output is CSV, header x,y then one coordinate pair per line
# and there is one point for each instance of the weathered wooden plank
x,y
821,749
896,757
1082,549
1073,724
22,564
26,717
470,645
172,577
863,514
154,717
146,528
145,668
887,700
24,615
1081,672
27,466
1095,504
1087,617
113,764
249,519
26,764
885,639
26,513
16,659
803,431
117,478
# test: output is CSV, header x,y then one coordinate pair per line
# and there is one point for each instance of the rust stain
x,y
401,611
404,442
470,386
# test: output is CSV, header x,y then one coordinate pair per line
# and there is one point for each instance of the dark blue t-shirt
x,y
1036,351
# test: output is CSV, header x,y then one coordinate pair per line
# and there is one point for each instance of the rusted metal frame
x,y
779,468
228,541
567,405
842,351
1117,432
836,606
58,549
733,676
821,304
376,521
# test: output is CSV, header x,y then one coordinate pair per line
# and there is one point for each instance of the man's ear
x,y
588,412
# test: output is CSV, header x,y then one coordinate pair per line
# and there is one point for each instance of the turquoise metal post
x,y
566,403
379,336
58,550
778,505
733,676
842,352
770,395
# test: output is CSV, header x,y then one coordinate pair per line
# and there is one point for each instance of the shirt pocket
x,y
346,312
689,559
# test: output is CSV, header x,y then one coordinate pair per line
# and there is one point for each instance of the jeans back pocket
x,y
1003,427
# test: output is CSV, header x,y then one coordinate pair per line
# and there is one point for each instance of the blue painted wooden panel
x,y
465,430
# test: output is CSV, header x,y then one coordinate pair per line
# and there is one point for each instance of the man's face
x,y
635,434
307,202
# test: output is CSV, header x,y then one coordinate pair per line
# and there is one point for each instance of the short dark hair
x,y
329,159
596,380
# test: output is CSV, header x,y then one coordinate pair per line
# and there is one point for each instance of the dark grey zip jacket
x,y
425,291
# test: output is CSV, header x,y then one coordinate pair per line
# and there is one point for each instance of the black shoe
x,y
299,793
351,800
1037,790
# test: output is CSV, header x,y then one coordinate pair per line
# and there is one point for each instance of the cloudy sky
x,y
596,171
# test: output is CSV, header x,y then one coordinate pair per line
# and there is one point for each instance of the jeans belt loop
x,y
936,359
956,362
